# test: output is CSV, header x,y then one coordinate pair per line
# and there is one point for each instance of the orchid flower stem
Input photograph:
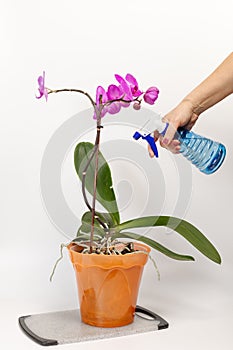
x,y
84,180
74,90
95,185
122,100
94,153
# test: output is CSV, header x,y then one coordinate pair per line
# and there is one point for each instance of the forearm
x,y
214,88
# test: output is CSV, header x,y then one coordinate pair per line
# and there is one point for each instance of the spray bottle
x,y
205,154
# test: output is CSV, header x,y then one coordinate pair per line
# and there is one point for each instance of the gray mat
x,y
66,327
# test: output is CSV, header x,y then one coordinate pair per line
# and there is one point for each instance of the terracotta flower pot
x,y
108,285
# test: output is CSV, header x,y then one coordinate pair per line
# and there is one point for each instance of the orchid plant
x,y
100,232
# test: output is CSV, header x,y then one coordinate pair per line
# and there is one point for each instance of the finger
x,y
169,135
177,150
176,143
174,146
192,121
156,135
189,125
151,153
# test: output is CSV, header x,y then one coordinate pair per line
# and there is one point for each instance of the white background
x,y
173,44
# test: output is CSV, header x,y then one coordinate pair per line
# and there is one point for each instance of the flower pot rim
x,y
110,261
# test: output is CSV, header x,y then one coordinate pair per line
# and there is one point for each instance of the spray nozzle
x,y
161,128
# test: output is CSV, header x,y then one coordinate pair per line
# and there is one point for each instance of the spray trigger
x,y
150,139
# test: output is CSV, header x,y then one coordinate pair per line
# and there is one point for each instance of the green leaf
x,y
184,228
104,191
156,246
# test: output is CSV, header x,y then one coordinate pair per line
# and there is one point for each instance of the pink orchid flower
x,y
151,95
133,85
124,88
114,93
42,89
101,94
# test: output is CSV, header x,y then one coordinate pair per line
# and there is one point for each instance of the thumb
x,y
169,135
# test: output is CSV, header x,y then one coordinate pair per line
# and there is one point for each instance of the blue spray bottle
x,y
205,154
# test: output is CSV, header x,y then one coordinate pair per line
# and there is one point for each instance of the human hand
x,y
181,116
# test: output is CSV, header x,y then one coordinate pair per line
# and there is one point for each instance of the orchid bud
x,y
137,105
151,95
